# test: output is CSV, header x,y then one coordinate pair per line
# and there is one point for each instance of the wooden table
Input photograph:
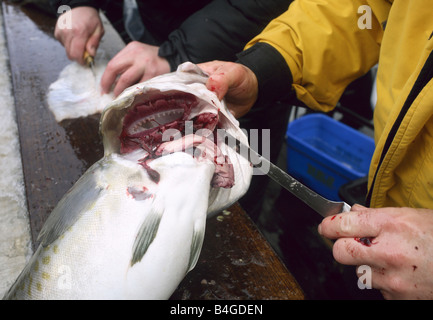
x,y
236,261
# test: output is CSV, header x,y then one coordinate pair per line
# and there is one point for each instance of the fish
x,y
133,224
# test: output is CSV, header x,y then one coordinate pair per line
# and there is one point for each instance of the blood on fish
x,y
153,174
137,193
138,133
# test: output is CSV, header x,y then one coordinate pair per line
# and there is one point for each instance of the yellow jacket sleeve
x,y
326,44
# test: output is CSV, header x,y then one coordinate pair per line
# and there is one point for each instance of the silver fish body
x,y
133,225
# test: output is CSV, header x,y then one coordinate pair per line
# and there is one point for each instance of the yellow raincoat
x,y
329,43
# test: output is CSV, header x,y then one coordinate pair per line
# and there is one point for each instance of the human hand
x,y
85,34
398,247
135,63
234,82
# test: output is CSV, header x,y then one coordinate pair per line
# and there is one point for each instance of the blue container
x,y
324,154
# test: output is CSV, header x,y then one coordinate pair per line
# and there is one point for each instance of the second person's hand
x,y
137,62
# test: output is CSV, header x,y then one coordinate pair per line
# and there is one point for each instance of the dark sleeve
x,y
219,30
55,4
272,72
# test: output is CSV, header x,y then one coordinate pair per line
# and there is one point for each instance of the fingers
x,y
85,32
121,73
94,40
128,78
357,233
75,49
73,41
354,251
234,82
210,67
114,68
219,80
359,236
136,62
392,243
360,222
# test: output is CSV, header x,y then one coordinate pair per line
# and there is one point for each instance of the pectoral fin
x,y
79,199
145,235
196,245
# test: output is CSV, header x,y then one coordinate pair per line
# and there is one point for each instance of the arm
x,y
73,3
322,46
315,49
217,31
224,28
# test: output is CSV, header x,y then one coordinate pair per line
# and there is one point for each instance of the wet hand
x,y
234,82
394,242
85,33
137,62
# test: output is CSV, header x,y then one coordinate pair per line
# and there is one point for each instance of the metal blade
x,y
318,203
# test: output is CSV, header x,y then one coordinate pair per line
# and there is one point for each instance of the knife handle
x,y
88,59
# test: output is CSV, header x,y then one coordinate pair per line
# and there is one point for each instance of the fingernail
x,y
319,229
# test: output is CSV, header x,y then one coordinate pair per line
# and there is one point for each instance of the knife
x,y
89,61
318,203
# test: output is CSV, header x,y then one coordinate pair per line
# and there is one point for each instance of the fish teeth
x,y
155,120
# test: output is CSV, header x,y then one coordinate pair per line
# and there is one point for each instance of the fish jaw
x,y
141,121
152,122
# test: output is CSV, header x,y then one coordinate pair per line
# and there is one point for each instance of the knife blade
x,y
318,203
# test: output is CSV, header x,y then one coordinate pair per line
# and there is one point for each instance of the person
x,y
316,48
173,32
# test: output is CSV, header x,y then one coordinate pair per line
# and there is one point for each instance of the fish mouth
x,y
149,124
178,122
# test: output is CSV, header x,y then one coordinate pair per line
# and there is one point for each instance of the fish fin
x,y
145,235
196,245
12,293
79,199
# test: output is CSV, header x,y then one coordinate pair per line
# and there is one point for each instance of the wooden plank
x,y
50,162
236,261
54,154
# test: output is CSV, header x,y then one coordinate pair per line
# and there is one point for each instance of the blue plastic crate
x,y
324,154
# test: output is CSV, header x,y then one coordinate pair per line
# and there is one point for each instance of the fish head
x,y
175,112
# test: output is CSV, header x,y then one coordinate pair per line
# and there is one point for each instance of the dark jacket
x,y
195,30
